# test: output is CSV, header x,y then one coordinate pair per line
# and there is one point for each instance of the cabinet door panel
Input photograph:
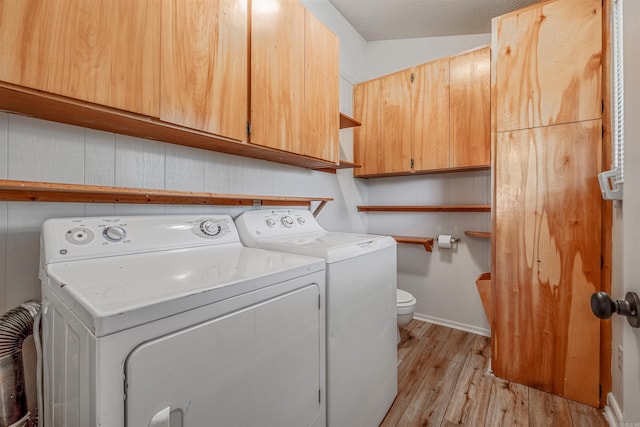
x,y
549,64
366,138
396,123
204,65
101,51
431,116
547,251
321,92
277,73
470,118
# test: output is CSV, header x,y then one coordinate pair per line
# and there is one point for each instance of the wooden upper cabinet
x,y
105,52
366,137
277,73
204,66
396,127
321,124
548,60
294,81
470,118
430,111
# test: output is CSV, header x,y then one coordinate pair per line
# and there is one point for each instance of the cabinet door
x,y
321,92
102,51
204,65
431,116
396,129
549,64
366,137
547,251
277,73
470,117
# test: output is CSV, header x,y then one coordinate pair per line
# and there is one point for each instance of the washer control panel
x,y
81,238
278,222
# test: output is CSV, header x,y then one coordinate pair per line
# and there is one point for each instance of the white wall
x,y
386,56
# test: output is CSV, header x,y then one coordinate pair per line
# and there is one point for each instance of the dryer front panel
x,y
258,366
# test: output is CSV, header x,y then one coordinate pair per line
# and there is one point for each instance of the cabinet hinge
x,y
412,163
603,99
248,129
601,262
413,77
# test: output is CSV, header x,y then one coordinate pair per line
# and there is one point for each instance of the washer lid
x,y
404,298
116,293
333,247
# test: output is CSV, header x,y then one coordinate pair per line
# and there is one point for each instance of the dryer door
x,y
259,366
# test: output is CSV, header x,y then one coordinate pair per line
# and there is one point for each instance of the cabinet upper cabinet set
x,y
178,72
430,118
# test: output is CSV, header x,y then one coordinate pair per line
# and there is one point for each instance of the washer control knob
x,y
210,228
287,221
301,220
271,222
114,234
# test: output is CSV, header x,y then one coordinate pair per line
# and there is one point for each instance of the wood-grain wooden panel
x,y
204,66
102,51
470,121
321,92
549,64
366,137
548,228
430,110
277,73
396,122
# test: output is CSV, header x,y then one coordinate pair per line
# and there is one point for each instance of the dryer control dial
x,y
287,221
210,228
301,220
114,233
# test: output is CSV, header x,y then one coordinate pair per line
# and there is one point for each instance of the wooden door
x,y
366,137
204,66
547,259
430,111
277,73
548,67
321,92
102,51
396,122
470,111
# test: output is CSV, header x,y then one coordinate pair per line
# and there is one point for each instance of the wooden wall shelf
x,y
427,242
342,165
348,122
30,191
434,208
481,234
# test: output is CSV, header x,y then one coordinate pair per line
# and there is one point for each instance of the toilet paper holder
x,y
447,241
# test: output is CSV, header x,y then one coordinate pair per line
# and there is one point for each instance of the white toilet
x,y
405,306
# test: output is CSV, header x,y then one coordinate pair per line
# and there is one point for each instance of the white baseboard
x,y
455,325
612,412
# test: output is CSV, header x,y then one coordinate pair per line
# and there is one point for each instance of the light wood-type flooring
x,y
443,381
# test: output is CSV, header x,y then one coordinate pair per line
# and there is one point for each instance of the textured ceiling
x,y
403,19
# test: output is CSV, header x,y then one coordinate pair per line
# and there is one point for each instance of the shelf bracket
x,y
317,210
257,204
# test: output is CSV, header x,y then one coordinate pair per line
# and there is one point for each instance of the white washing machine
x,y
167,321
361,308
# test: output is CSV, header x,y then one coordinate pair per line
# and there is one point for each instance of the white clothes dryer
x,y
361,277
167,321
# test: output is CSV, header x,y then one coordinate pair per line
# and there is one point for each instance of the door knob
x,y
604,307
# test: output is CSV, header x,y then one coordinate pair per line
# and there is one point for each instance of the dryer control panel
x,y
65,239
